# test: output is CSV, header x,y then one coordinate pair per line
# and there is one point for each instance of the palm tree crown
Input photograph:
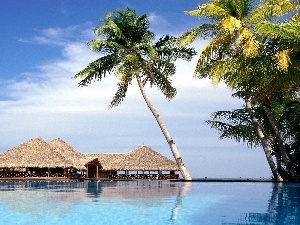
x,y
128,51
230,27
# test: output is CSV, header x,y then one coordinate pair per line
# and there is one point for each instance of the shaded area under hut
x,y
58,160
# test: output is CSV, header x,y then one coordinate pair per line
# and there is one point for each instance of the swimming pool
x,y
149,202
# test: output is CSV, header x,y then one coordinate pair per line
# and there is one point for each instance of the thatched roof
x,y
68,152
145,158
106,160
33,153
57,153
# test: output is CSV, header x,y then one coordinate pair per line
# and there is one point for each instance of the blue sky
x,y
43,44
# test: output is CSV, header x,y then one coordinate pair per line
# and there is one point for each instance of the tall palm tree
x,y
233,39
273,73
128,52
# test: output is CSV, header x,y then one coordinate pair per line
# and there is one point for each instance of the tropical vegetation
x,y
128,51
254,49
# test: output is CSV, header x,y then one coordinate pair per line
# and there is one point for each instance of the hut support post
x,y
48,172
87,171
97,172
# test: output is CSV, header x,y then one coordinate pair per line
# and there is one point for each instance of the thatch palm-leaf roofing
x,y
145,158
68,152
57,153
33,153
106,160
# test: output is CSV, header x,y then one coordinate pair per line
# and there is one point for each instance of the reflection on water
x,y
56,199
283,207
144,202
178,201
38,198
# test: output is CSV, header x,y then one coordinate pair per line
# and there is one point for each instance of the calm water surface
x,y
144,202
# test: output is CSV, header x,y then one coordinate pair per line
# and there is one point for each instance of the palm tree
x,y
235,125
234,41
128,52
267,82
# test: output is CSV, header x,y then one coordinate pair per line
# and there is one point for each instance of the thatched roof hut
x,y
58,154
145,158
33,153
108,161
68,152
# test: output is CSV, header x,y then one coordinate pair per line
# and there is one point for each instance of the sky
x,y
43,45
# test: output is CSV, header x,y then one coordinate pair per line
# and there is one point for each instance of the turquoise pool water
x,y
144,202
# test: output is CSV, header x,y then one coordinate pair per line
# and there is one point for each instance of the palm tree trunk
x,y
285,157
263,141
185,174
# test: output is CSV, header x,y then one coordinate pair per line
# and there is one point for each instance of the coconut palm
x,y
231,29
128,52
236,125
234,40
267,82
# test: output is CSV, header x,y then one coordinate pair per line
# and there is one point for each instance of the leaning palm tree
x,y
128,52
233,36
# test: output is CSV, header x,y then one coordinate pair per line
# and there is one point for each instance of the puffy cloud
x,y
156,19
48,103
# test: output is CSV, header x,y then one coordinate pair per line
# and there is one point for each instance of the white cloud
x,y
156,19
48,103
56,94
59,36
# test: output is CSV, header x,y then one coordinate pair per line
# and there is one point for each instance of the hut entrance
x,y
93,169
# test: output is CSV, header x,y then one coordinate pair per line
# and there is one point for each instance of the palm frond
x,y
248,43
110,28
158,73
221,70
236,8
97,69
204,31
283,59
286,31
215,50
120,93
168,49
105,46
271,8
230,24
235,125
163,83
208,10
125,74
